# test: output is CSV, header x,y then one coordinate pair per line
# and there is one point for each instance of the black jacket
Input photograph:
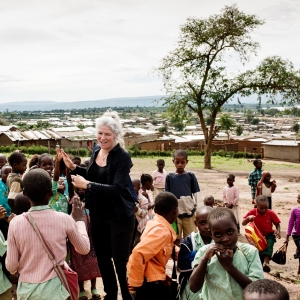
x,y
118,182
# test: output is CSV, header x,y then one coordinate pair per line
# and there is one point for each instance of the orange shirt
x,y
150,256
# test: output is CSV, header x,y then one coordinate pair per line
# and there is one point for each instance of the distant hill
x,y
114,102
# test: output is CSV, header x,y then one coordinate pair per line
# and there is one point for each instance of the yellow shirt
x,y
150,256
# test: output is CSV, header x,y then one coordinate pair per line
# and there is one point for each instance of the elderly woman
x,y
110,201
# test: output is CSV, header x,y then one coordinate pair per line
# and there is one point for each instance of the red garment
x,y
264,222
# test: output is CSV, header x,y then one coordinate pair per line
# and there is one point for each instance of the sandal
x,y
95,294
266,268
82,296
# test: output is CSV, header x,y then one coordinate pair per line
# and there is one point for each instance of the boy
x,y
3,162
146,266
183,185
265,289
231,198
209,201
254,177
5,285
264,218
6,170
188,249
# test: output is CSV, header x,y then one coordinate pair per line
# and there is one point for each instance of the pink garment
x,y
25,253
159,179
231,195
142,213
150,211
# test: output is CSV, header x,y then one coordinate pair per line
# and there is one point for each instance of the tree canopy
x,y
226,123
195,76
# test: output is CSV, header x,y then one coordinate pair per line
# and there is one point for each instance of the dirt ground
x,y
284,199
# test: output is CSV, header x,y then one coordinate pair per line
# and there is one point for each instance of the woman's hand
x,y
225,258
67,160
77,209
80,182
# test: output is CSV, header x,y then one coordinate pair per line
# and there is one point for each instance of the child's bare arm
x,y
277,231
225,259
70,185
56,171
247,220
273,186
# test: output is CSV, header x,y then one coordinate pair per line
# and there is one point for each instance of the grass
x,y
218,163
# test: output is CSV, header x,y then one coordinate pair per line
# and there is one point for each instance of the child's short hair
x,y
267,287
77,158
164,203
256,161
180,153
221,212
146,178
231,176
22,204
42,156
16,158
261,198
209,198
2,156
160,161
34,160
37,185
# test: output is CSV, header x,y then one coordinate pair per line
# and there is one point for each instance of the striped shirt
x,y
25,253
294,222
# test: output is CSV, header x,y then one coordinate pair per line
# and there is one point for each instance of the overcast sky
x,y
72,50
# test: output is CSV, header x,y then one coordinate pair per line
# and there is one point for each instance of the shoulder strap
x,y
54,199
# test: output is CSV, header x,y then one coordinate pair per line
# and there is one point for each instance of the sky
x,y
75,50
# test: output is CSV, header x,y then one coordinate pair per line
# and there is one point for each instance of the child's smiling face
x,y
21,167
224,231
5,171
47,164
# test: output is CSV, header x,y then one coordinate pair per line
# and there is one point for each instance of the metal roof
x,y
282,143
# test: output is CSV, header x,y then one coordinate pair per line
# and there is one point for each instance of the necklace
x,y
104,156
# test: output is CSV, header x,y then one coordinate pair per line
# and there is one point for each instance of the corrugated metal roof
x,y
66,129
282,143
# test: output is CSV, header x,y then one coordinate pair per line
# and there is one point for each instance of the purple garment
x,y
294,222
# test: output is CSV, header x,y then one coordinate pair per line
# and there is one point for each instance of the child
x,y
188,249
266,187
22,204
231,197
254,177
264,219
294,230
34,162
265,289
59,200
159,176
76,160
3,162
209,201
183,185
222,270
141,212
25,249
147,185
147,263
6,170
87,162
18,163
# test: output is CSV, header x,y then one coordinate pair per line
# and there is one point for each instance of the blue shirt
x,y
3,197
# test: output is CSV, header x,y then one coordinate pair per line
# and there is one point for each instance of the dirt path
x,y
284,199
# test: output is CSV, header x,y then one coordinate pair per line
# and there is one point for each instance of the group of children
x,y
169,211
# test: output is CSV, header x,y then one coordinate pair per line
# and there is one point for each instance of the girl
x,y
147,184
266,187
222,270
294,230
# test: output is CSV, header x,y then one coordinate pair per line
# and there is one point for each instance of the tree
x,y
296,127
226,123
239,130
194,74
163,129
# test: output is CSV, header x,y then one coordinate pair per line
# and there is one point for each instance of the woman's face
x,y
106,138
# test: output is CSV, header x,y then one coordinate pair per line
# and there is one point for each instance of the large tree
x,y
195,77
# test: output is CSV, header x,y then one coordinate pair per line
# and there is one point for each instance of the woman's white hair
x,y
111,119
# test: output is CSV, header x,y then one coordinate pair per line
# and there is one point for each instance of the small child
x,y
209,201
266,187
159,176
3,162
87,162
264,218
222,270
147,185
294,230
22,204
184,186
147,264
231,197
18,163
254,177
188,249
34,162
76,160
141,212
265,289
6,170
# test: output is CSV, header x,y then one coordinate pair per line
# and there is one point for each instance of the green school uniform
x,y
4,282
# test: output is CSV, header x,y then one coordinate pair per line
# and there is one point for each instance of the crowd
x,y
92,218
